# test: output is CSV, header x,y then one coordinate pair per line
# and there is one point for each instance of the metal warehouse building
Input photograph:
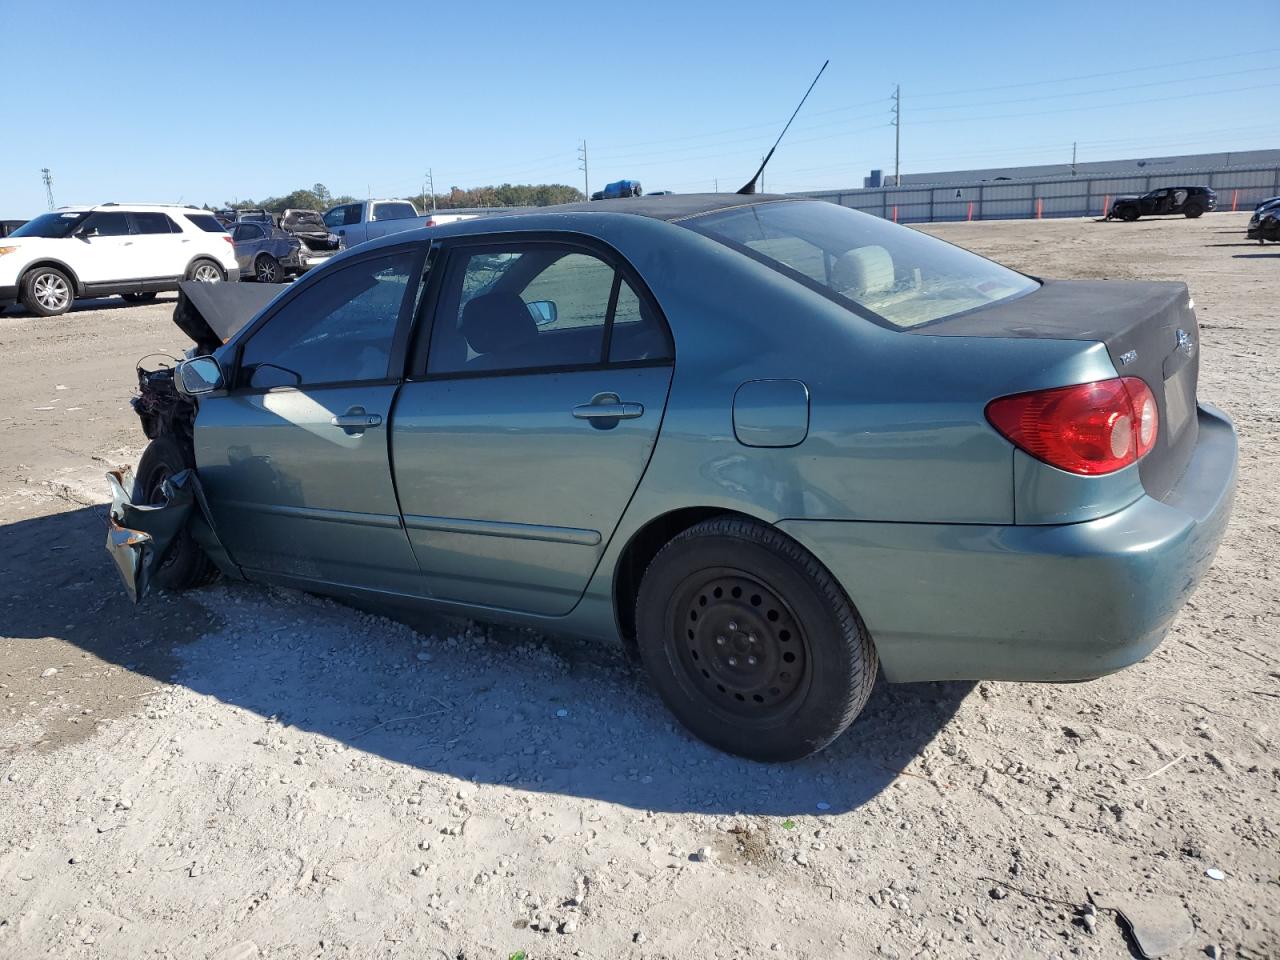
x,y
1011,193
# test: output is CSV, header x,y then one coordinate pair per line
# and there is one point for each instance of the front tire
x,y
1129,214
47,292
267,269
205,271
187,565
751,643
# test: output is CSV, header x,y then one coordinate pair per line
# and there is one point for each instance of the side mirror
x,y
198,376
543,312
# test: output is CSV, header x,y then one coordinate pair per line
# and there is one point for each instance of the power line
x,y
1094,76
1121,103
1087,93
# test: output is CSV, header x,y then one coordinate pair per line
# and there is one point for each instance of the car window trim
x,y
399,340
449,248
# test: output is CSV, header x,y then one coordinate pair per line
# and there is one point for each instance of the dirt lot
x,y
240,772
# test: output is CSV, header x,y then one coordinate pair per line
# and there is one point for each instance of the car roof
x,y
129,207
669,207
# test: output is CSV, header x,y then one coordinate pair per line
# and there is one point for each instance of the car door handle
x,y
356,419
608,406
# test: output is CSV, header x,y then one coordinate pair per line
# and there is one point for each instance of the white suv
x,y
133,249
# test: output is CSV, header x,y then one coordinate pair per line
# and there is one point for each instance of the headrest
x,y
497,321
863,270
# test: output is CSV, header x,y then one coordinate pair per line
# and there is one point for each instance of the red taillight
x,y
1089,428
227,237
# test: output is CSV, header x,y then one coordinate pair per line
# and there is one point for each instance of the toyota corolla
x,y
776,444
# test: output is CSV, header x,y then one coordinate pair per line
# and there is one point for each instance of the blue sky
x,y
229,100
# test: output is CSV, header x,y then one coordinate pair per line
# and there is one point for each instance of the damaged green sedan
x,y
775,444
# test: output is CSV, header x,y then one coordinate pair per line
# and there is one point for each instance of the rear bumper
x,y
1065,602
233,273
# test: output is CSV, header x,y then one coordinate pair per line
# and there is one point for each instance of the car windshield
x,y
888,273
51,225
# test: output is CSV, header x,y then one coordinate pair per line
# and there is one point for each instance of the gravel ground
x,y
240,772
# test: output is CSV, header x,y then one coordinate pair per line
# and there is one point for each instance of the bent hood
x,y
212,313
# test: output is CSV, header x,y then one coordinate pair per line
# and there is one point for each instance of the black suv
x,y
1188,201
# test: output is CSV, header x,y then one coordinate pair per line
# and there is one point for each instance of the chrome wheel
x,y
52,292
206,273
268,270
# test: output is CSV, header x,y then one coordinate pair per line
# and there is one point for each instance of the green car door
x,y
294,455
522,433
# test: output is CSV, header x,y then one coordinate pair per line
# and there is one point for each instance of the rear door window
x,y
539,306
153,222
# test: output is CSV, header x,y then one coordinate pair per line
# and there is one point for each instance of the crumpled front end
x,y
140,536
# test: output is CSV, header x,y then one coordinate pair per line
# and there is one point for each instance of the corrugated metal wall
x,y
1053,197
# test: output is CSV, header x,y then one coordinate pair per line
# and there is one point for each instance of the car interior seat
x,y
862,272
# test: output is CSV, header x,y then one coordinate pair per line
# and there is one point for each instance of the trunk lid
x,y
1149,330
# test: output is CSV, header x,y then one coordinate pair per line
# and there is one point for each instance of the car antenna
x,y
750,186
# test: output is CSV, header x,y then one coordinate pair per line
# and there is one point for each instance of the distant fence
x,y
1047,197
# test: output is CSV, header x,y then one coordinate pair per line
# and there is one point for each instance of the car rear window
x,y
393,211
206,222
891,274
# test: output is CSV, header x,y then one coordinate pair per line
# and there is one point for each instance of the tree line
x,y
319,198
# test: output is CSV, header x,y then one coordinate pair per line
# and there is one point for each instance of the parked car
x,y
270,254
1264,225
8,226
308,226
354,223
134,250
590,419
1265,203
1188,201
618,189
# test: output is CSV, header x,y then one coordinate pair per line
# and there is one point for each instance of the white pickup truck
x,y
366,219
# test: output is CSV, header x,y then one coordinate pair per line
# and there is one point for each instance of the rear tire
x,y
47,292
751,643
267,269
1192,210
137,297
205,271
187,565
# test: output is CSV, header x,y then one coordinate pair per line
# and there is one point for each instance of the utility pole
x,y
586,181
717,182
1073,158
429,190
897,135
47,177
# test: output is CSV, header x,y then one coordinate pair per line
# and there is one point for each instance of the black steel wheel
x,y
751,642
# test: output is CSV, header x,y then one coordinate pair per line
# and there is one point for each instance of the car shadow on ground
x,y
94,303
497,705
1255,256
